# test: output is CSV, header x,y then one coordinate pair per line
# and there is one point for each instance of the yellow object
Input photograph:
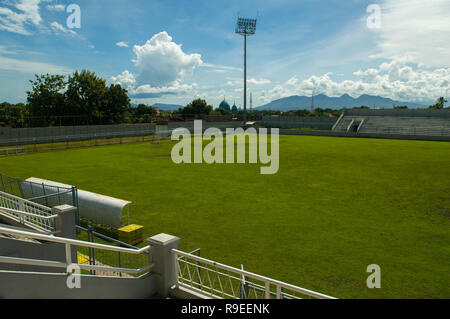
x,y
83,259
131,234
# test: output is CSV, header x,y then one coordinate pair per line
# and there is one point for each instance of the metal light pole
x,y
445,98
245,27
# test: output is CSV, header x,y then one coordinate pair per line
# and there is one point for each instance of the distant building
x,y
234,108
224,105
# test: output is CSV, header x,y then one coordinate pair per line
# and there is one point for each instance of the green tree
x,y
117,102
221,111
197,107
143,109
13,115
440,102
46,97
86,96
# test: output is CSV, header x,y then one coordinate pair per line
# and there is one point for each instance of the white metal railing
x,y
350,125
12,151
26,212
360,125
338,121
101,269
221,281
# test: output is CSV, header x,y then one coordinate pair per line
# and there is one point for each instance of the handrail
x,y
25,201
59,264
19,212
68,254
75,242
337,122
27,212
350,125
241,272
50,195
107,238
360,125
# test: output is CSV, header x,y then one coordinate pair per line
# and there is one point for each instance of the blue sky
x,y
174,51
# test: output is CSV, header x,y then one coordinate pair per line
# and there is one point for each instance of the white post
x,y
65,225
278,292
267,294
68,254
164,263
177,266
65,222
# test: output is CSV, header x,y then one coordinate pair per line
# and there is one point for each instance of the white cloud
x,y
4,50
161,61
122,44
292,81
258,82
56,7
16,22
220,68
175,88
240,82
125,79
162,65
31,66
128,80
416,28
58,28
399,80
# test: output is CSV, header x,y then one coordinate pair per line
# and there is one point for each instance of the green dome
x,y
234,108
224,105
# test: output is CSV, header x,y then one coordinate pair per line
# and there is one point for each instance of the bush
x,y
100,228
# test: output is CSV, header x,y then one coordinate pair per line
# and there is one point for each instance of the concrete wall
x,y
365,135
53,286
10,247
40,135
22,136
445,113
286,122
24,249
205,125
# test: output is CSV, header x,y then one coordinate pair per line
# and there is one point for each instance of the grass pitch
x,y
335,206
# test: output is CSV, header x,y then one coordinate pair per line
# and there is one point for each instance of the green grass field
x,y
335,206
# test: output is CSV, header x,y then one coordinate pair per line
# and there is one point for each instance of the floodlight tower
x,y
446,96
245,27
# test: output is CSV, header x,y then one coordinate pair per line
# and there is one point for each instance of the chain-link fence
x,y
49,196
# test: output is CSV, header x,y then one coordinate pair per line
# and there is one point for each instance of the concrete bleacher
x,y
396,122
298,122
406,125
345,123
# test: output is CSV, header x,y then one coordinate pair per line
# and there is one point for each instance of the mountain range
x,y
296,102
167,107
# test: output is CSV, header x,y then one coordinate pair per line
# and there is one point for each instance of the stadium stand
x,y
293,122
396,122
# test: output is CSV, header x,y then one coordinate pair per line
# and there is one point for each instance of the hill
x,y
167,107
296,102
